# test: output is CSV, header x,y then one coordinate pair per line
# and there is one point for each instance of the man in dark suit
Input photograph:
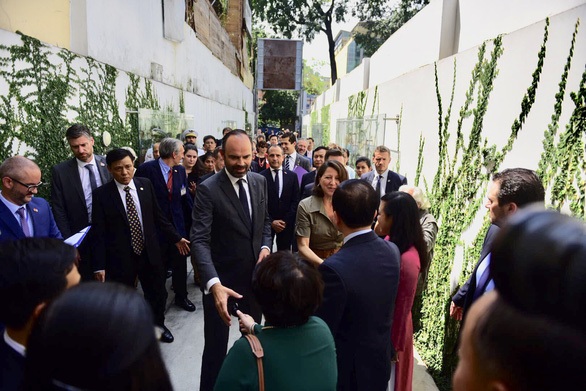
x,y
319,155
72,183
381,178
283,191
330,154
292,158
361,282
510,190
33,272
169,180
231,232
21,214
126,245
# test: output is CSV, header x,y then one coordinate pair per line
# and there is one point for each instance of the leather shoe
x,y
185,304
166,336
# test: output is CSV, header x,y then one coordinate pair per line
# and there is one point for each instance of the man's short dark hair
x,y
235,132
76,131
333,152
288,289
536,325
208,137
319,149
32,271
365,160
519,185
273,135
118,154
216,152
289,136
310,138
355,201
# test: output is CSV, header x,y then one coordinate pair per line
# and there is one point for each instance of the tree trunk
x,y
331,46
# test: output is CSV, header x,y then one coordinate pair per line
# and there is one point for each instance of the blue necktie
x,y
277,182
378,185
484,280
287,162
93,182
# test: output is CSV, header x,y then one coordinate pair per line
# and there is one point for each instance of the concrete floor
x,y
183,356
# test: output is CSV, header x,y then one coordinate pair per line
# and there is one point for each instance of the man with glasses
x,y
21,214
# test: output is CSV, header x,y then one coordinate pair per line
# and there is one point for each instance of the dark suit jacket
x,y
67,196
11,366
465,295
361,282
303,162
307,179
38,209
173,209
221,238
284,208
111,232
394,180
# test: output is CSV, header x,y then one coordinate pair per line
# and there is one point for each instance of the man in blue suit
x,y
283,192
21,214
361,282
170,184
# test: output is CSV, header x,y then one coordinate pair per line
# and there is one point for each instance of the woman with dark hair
x,y
317,236
299,350
529,333
398,218
205,164
261,156
190,162
96,337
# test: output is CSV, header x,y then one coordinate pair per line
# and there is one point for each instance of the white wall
x,y
128,34
414,92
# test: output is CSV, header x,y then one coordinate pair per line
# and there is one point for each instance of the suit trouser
x,y
85,268
284,238
178,264
216,336
152,281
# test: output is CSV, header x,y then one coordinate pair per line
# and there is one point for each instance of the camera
x,y
232,306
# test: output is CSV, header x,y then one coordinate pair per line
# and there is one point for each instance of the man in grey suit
x,y
231,232
292,158
72,184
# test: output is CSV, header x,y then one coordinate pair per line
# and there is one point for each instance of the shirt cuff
x,y
99,271
209,285
267,247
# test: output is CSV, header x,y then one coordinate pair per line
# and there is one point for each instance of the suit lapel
x,y
33,214
117,200
10,221
102,169
74,174
228,189
142,198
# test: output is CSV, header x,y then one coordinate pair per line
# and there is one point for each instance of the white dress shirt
x,y
134,194
20,349
13,208
292,159
383,181
357,233
86,185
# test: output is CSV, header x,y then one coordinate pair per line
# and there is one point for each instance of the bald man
x,y
21,214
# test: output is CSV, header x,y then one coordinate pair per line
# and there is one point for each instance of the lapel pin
x,y
141,188
35,210
174,170
102,164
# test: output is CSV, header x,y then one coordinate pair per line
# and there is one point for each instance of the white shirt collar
x,y
83,164
357,233
234,180
384,174
20,349
278,169
121,186
293,156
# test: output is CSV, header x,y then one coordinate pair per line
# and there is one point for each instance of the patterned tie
x,y
136,238
378,184
170,183
287,162
244,199
93,183
277,183
23,222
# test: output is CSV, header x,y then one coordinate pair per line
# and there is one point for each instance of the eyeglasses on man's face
x,y
29,188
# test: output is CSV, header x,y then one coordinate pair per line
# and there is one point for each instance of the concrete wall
x,y
413,92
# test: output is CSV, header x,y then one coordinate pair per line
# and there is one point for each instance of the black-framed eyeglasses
x,y
29,187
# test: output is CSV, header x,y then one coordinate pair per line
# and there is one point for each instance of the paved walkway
x,y
183,357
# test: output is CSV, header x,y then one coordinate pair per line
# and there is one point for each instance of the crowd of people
x,y
333,255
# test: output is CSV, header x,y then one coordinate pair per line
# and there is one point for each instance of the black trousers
x,y
216,336
85,267
152,280
178,264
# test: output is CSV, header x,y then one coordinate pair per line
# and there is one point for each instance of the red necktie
x,y
170,183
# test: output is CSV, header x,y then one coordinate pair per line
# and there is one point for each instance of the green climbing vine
x,y
44,88
325,121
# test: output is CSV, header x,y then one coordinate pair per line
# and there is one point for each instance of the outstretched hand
x,y
221,294
245,321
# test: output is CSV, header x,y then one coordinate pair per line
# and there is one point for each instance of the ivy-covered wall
x,y
515,100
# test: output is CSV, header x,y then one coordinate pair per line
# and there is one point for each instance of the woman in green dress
x,y
299,350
